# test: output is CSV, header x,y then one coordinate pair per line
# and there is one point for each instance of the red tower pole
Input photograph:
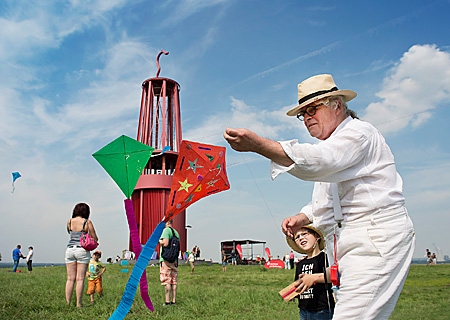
x,y
159,126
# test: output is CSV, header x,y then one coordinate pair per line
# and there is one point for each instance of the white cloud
x,y
420,81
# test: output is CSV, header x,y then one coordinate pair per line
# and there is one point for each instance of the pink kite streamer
x,y
141,263
137,248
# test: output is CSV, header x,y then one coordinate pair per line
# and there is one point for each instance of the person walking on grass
x,y
95,271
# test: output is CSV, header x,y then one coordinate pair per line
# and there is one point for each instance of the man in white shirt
x,y
375,236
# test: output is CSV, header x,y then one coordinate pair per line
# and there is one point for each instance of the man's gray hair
x,y
329,102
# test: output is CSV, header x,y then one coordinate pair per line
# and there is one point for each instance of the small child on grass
x,y
94,274
315,297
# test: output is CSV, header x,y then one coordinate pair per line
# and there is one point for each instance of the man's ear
x,y
338,104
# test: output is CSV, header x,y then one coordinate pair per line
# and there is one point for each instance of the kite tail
x,y
136,244
130,289
14,188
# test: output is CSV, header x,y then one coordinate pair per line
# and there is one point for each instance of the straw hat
x,y
316,88
291,242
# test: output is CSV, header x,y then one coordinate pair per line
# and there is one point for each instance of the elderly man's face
x,y
325,120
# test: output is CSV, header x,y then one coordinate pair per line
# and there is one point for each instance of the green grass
x,y
243,292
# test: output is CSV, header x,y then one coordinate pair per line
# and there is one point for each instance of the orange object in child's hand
x,y
289,292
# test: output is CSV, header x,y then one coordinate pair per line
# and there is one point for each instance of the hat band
x,y
315,94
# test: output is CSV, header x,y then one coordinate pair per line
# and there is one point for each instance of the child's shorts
x,y
95,285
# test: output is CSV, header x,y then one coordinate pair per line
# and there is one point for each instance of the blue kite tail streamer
x,y
130,289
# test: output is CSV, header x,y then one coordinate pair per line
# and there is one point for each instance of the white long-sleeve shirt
x,y
357,158
29,255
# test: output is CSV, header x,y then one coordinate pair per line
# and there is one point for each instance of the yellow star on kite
x,y
184,185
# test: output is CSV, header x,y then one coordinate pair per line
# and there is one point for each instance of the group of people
x,y
289,259
193,255
357,211
17,255
431,257
357,201
196,252
80,264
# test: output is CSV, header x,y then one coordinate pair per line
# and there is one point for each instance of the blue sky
x,y
70,82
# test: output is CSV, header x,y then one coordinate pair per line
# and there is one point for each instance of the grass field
x,y
243,292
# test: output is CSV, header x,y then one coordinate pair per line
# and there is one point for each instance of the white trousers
x,y
374,255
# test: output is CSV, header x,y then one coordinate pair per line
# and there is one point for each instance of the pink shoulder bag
x,y
86,240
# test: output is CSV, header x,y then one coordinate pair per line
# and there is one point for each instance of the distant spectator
x,y
16,255
233,258
191,260
433,259
428,256
287,266
291,260
198,253
29,259
224,261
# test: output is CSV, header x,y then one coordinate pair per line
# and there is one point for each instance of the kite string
x,y
259,191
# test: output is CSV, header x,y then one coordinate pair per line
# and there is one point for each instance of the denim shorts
x,y
77,254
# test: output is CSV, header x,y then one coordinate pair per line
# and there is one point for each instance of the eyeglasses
x,y
301,235
309,110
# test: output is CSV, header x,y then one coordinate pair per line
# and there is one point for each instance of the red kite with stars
x,y
200,171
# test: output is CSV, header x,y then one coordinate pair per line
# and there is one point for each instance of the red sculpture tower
x,y
160,127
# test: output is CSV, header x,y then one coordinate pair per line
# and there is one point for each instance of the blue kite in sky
x,y
15,175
